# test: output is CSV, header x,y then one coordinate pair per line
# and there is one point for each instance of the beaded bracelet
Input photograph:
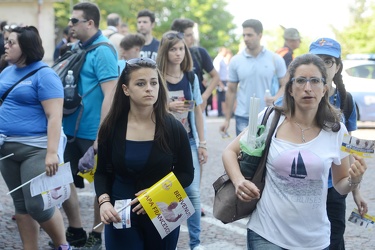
x,y
353,183
102,203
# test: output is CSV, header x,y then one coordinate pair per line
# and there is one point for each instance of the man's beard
x,y
142,33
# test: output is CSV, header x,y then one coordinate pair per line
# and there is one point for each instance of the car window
x,y
362,71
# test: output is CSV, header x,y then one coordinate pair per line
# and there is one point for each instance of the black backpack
x,y
191,78
73,60
196,54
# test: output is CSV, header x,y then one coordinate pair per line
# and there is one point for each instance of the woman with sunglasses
x,y
175,63
30,128
139,143
291,212
330,51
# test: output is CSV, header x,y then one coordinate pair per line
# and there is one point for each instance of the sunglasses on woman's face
x,y
10,27
171,36
140,61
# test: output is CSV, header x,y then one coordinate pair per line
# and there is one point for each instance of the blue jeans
x,y
194,222
257,242
336,208
241,123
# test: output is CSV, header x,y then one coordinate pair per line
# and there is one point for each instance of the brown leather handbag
x,y
227,207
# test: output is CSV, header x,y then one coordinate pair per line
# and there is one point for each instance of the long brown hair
x,y
121,104
327,116
168,40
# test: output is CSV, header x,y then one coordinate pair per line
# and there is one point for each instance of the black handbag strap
x,y
262,164
14,85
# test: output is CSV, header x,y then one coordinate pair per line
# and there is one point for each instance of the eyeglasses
x,y
76,20
328,63
171,36
10,43
301,81
10,27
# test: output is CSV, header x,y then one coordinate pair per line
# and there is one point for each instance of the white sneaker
x,y
199,247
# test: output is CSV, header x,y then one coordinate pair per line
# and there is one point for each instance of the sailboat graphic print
x,y
298,170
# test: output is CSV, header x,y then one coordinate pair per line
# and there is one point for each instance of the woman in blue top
x,y
175,63
330,51
30,127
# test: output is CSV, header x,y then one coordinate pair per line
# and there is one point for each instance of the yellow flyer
x,y
360,147
89,175
366,222
167,204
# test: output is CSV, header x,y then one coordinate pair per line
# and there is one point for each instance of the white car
x,y
359,80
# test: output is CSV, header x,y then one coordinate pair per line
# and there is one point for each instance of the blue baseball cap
x,y
325,46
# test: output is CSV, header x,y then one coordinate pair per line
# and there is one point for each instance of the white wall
x,y
29,12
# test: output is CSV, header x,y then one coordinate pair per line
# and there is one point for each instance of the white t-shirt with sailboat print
x,y
292,210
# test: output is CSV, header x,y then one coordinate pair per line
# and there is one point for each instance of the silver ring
x,y
242,193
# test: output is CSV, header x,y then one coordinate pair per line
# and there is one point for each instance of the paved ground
x,y
215,235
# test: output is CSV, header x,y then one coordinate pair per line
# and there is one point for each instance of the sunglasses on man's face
x,y
76,20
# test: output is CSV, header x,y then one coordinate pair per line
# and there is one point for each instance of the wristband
x,y
102,199
102,203
201,146
203,142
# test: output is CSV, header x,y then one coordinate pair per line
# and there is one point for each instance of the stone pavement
x,y
215,235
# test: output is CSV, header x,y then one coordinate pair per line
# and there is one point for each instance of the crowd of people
x,y
145,115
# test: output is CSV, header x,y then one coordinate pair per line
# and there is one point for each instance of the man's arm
x,y
282,83
213,84
108,91
230,96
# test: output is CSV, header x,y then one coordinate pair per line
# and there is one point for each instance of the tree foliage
x,y
215,24
358,36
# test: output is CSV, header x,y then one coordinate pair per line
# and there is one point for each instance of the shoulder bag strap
x,y
261,170
20,80
263,161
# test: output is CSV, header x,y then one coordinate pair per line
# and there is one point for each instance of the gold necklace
x,y
302,131
177,77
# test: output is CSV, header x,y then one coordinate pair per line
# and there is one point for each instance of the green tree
x,y
215,24
358,36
